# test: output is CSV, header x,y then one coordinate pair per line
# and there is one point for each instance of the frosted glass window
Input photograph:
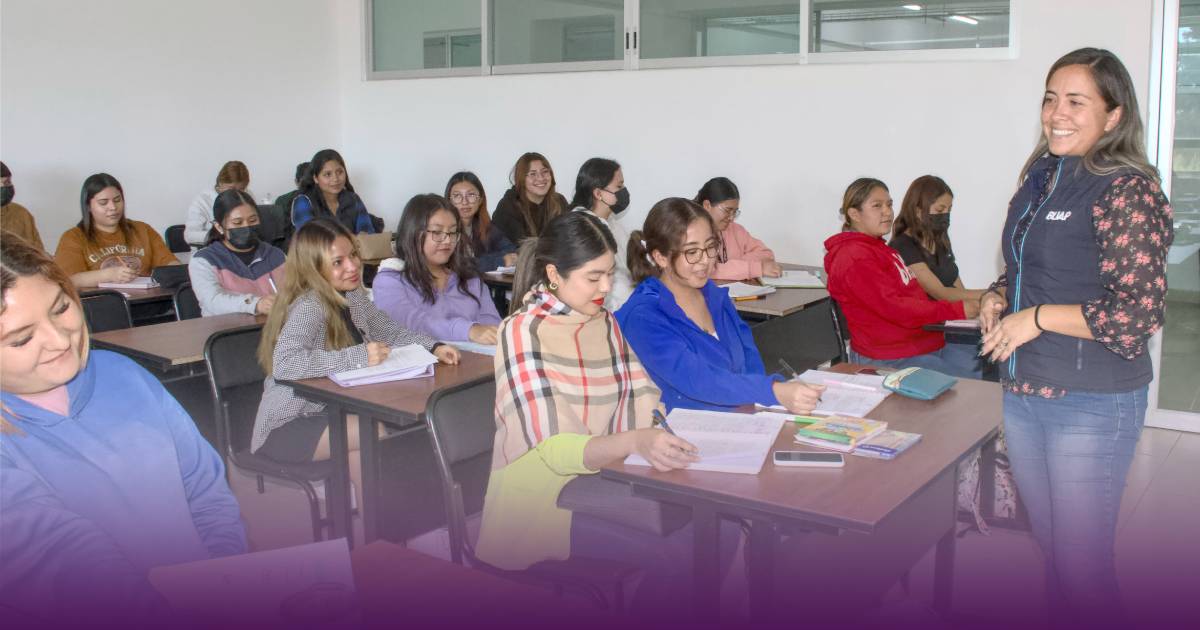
x,y
556,31
870,25
717,28
422,35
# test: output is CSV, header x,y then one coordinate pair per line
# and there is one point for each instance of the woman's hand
x,y
377,352
991,305
798,397
510,259
120,273
970,308
663,450
482,334
264,305
771,269
1009,334
447,354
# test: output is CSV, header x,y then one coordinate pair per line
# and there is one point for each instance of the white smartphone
x,y
809,458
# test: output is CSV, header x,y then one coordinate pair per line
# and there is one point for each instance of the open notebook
x,y
728,442
795,279
853,395
405,362
140,282
741,290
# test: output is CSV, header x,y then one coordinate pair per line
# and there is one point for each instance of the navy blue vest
x,y
1057,261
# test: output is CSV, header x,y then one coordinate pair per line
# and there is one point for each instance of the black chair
x,y
175,241
843,330
236,380
106,309
805,339
170,276
462,429
186,305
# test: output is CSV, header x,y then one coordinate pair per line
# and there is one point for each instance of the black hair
x,y
410,242
301,171
481,223
309,187
717,190
4,172
664,232
225,202
595,173
91,187
568,242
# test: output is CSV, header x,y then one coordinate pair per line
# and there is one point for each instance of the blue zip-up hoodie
x,y
90,502
693,369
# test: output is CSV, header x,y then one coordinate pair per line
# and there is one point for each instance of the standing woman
x,y
433,287
600,191
106,246
1085,247
533,200
743,257
485,242
326,192
921,234
233,174
236,272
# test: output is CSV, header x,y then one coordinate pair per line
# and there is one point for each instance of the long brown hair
x,y
410,247
552,206
305,271
92,187
664,232
857,193
914,213
481,223
19,259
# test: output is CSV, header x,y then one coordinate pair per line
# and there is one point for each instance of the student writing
x,y
236,272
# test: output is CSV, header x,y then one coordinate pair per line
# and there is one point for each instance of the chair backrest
x,y
186,304
235,379
804,339
175,240
106,309
462,428
170,276
843,329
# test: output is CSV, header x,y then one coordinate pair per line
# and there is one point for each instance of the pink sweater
x,y
745,254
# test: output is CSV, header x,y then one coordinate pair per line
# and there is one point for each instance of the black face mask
x,y
622,201
939,222
242,237
6,194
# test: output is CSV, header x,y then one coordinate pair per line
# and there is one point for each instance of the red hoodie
x,y
884,304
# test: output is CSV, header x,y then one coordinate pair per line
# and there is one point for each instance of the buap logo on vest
x,y
1058,215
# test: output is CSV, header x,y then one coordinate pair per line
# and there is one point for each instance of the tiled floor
x,y
998,578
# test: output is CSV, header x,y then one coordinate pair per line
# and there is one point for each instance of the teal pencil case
x,y
919,383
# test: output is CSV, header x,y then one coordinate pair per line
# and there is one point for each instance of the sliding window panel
x,y
864,30
417,38
556,35
675,33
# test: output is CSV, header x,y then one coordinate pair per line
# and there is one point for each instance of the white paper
x,y
501,271
845,394
405,362
471,346
253,584
141,282
962,323
728,442
795,279
741,289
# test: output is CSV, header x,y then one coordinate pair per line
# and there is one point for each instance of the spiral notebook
x,y
403,363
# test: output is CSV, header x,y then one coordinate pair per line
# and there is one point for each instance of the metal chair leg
x,y
261,487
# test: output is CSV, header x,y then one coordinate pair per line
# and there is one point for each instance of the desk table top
x,y
171,344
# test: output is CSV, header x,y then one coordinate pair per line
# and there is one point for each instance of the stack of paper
x,y
795,279
405,362
739,290
728,442
141,282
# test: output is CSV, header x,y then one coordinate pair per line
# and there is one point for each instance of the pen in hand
x,y
661,421
790,374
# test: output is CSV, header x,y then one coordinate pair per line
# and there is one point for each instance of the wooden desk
x,y
399,404
499,280
915,491
173,344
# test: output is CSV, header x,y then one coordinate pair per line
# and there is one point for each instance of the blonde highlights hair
x,y
856,194
306,270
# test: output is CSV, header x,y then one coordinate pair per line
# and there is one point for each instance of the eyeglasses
x,y
735,213
694,255
460,197
544,174
439,236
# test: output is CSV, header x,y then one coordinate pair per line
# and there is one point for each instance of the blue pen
x,y
661,420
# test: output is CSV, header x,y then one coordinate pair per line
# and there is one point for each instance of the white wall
x,y
791,137
160,94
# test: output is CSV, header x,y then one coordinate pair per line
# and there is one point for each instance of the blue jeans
x,y
665,561
1070,457
953,359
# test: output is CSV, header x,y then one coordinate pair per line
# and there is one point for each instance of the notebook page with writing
x,y
852,395
405,362
728,442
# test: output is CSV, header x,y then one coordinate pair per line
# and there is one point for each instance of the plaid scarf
x,y
560,371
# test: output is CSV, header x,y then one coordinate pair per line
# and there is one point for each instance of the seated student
x,y
600,190
432,287
572,397
106,246
922,236
488,245
324,324
15,218
103,476
326,192
743,257
884,306
233,174
532,202
282,209
236,272
684,327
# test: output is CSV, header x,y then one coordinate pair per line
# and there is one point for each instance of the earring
x,y
553,286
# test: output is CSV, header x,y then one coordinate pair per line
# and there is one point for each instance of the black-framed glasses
x,y
694,255
439,236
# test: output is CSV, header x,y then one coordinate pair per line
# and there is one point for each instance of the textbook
x,y
741,290
886,445
839,433
403,363
728,442
141,282
795,279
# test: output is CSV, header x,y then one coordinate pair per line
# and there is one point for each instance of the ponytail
x,y
568,242
665,232
527,274
637,258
